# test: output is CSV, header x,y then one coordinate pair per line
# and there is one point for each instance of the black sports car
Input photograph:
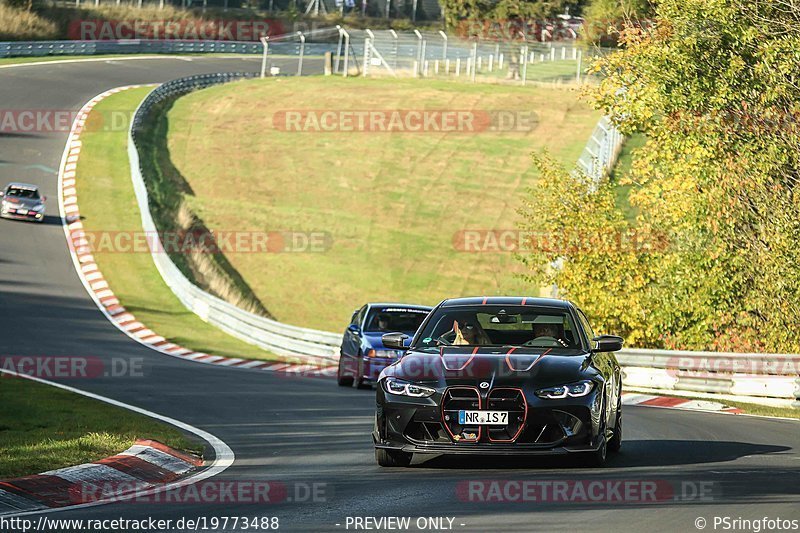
x,y
500,376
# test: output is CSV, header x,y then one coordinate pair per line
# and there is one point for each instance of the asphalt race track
x,y
307,430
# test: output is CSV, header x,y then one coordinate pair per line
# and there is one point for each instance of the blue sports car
x,y
363,354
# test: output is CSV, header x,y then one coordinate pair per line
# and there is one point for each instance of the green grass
x,y
764,410
108,203
621,169
43,428
392,203
748,408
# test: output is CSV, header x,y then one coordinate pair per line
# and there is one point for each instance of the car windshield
x,y
394,319
17,192
500,326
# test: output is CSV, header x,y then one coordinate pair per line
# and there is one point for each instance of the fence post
x,y
338,50
419,49
265,43
525,65
346,51
394,49
578,73
366,56
302,52
444,44
474,59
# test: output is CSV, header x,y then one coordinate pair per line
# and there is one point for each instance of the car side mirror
x,y
607,343
395,340
2,193
353,328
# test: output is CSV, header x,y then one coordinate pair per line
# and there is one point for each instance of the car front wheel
x,y
341,379
392,458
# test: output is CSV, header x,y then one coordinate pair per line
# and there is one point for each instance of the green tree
x,y
714,88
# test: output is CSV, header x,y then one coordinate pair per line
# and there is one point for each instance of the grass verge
x,y
43,428
392,203
747,408
108,204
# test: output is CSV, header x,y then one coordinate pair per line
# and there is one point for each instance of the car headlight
x,y
572,390
382,353
404,388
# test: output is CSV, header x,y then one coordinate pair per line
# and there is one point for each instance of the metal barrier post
x,y
338,50
444,44
394,49
265,43
302,52
419,48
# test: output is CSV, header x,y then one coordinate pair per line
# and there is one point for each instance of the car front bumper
x,y
536,426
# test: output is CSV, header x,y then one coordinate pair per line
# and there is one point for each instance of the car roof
x,y
18,185
507,300
400,305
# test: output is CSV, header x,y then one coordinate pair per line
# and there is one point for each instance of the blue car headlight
x,y
571,390
404,388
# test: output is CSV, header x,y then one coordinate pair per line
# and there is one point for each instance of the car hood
x,y
26,203
498,367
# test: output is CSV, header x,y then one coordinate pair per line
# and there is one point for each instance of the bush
x,y
713,87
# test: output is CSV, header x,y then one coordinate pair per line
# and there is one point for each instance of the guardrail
x,y
278,338
769,379
600,153
127,46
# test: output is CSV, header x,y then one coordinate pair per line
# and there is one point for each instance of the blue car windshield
x,y
394,319
500,326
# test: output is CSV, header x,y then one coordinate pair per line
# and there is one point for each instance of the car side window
x,y
585,323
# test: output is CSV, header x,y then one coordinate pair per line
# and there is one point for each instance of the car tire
x,y
615,443
597,458
342,380
392,458
360,383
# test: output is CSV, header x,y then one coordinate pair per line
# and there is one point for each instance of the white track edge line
x,y
223,455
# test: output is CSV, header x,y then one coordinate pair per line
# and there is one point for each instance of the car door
x,y
351,341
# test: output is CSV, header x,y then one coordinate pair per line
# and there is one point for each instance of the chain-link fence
x,y
434,55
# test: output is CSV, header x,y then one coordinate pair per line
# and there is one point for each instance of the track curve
x,y
307,430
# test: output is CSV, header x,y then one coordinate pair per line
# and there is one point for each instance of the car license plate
x,y
22,211
490,418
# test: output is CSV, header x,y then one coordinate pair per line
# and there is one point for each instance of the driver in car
x,y
383,322
548,330
469,333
